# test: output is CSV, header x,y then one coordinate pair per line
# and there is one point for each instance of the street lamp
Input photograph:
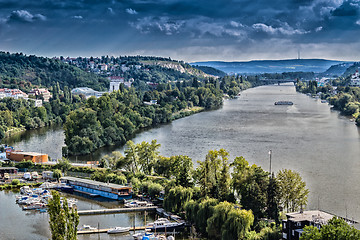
x,y
270,152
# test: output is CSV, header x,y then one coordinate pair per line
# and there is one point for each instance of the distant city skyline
x,y
232,30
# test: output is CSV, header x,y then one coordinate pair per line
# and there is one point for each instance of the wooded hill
x,y
25,72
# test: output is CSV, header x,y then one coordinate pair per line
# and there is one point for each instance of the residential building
x,y
13,93
41,91
355,79
115,82
293,226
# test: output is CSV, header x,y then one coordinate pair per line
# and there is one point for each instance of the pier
x,y
104,230
116,210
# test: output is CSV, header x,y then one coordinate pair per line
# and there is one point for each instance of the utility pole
x,y
270,152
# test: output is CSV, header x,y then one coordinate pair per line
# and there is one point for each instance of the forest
x,y
26,72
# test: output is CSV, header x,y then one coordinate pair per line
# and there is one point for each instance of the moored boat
x,y
87,228
283,103
163,224
118,230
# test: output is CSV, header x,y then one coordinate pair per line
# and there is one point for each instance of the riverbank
x,y
10,186
187,112
13,131
344,99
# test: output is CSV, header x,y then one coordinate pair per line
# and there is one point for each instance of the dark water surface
x,y
308,137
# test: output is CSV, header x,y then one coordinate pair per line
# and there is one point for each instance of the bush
x,y
15,182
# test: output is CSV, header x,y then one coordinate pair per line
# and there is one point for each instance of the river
x,y
308,137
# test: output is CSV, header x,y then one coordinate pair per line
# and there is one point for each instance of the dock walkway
x,y
116,210
104,230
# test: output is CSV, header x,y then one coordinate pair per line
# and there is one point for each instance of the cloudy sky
x,y
190,30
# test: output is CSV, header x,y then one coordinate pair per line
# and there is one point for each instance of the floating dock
x,y
116,210
107,229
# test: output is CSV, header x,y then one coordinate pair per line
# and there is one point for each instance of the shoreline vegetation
x,y
238,199
345,99
174,90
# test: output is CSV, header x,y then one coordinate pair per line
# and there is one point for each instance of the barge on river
x,y
106,190
283,103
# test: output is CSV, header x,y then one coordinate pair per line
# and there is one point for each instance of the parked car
x,y
35,176
27,176
6,176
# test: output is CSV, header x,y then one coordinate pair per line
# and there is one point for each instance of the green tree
x,y
273,199
176,198
63,221
63,164
181,169
57,174
293,191
251,183
115,161
131,156
335,229
148,154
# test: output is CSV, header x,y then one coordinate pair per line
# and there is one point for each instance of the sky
x,y
189,30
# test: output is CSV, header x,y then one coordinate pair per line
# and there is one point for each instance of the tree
x,y
218,218
335,229
225,180
115,161
63,164
63,221
182,168
57,174
273,199
208,173
251,183
293,191
131,156
148,154
176,198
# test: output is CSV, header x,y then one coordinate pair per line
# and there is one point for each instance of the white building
x,y
115,82
355,79
13,93
87,92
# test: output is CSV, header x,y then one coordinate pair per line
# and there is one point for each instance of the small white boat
x,y
163,224
136,203
87,228
118,230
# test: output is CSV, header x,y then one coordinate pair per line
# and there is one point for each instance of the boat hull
x,y
166,228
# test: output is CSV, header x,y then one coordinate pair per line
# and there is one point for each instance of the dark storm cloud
x,y
348,8
218,27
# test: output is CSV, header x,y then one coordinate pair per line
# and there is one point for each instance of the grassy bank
x,y
18,186
186,112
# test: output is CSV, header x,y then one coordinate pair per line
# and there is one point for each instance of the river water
x,y
308,137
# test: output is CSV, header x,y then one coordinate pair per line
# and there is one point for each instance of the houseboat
x,y
106,190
